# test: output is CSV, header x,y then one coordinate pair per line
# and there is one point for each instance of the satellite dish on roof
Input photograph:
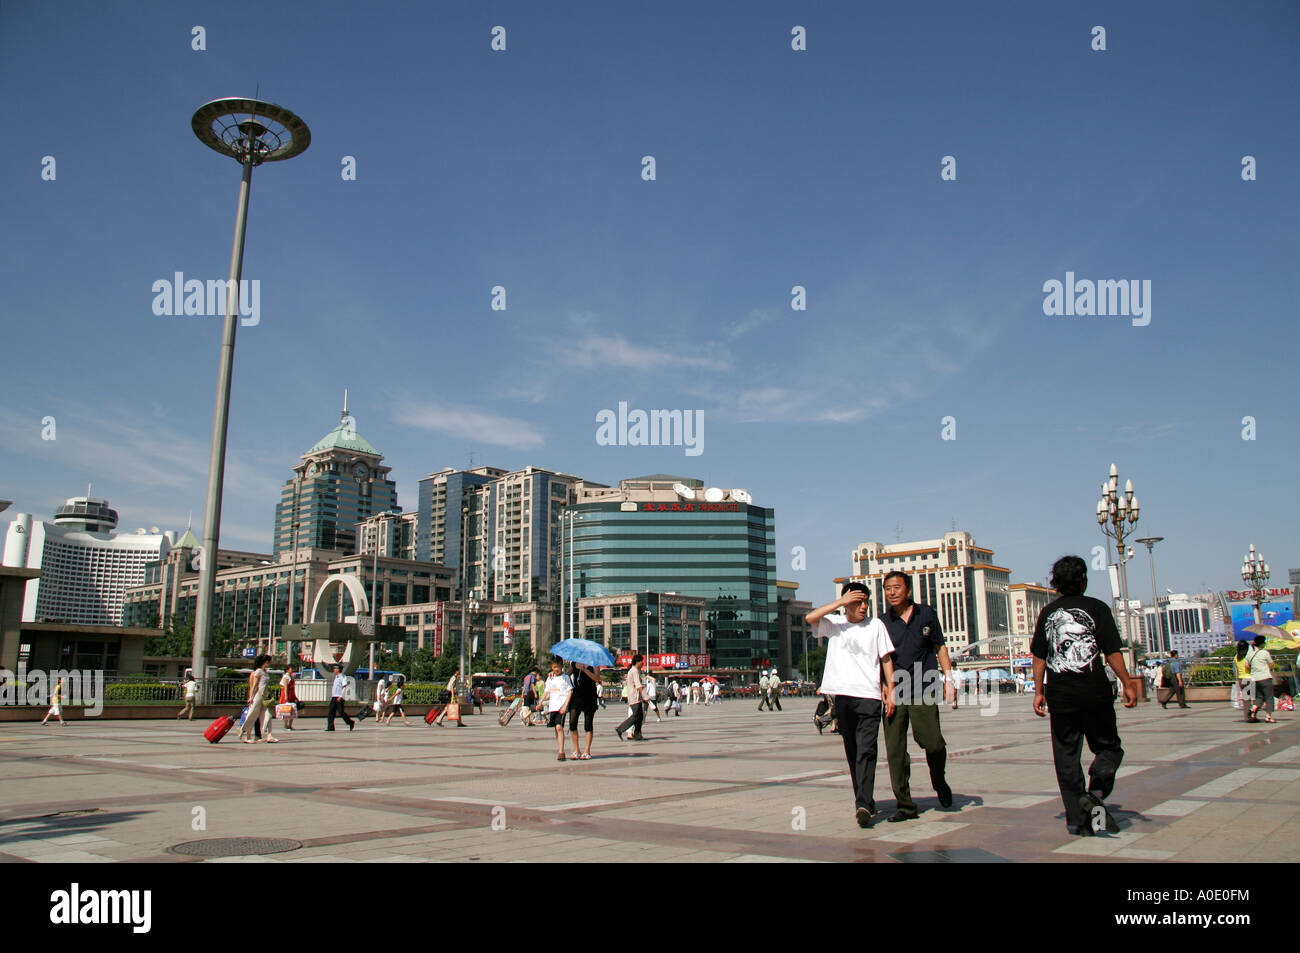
x,y
684,491
741,496
713,495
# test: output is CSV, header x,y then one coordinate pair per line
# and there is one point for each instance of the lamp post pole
x,y
1255,572
1161,642
270,133
1116,512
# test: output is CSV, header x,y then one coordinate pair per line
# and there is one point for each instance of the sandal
x,y
575,756
272,741
559,757
585,757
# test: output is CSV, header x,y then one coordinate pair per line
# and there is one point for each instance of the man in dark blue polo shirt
x,y
919,654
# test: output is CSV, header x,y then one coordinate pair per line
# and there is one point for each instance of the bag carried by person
x,y
243,716
432,715
364,713
453,709
285,711
508,713
1286,703
301,706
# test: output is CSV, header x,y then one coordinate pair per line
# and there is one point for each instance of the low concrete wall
x,y
203,713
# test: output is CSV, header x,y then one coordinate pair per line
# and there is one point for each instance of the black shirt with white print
x,y
1074,635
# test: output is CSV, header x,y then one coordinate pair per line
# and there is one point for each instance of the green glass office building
x,y
646,535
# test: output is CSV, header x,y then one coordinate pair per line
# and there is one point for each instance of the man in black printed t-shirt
x,y
1074,637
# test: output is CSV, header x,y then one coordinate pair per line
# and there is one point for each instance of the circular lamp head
x,y
249,130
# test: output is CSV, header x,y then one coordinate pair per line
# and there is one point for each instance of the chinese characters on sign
x,y
667,661
690,507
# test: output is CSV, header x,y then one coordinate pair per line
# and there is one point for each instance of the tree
x,y
524,659
815,663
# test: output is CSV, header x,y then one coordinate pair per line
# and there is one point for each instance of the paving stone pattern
x,y
723,783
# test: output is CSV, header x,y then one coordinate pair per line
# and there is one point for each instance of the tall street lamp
x,y
1161,644
1255,572
374,584
251,132
1116,513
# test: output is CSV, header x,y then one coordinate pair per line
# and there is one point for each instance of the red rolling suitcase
x,y
432,714
217,730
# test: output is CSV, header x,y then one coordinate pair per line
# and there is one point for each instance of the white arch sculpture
x,y
321,652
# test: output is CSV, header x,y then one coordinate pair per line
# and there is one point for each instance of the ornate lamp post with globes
x,y
1117,514
1254,573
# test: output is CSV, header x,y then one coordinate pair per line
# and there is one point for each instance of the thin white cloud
x,y
466,422
752,322
615,352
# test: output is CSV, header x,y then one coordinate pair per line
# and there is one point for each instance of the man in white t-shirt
x,y
859,646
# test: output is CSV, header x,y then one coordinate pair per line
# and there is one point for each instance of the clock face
x,y
311,470
359,471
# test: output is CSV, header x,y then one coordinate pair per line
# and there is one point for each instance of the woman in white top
x,y
258,680
1261,674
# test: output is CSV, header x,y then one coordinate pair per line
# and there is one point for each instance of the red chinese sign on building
x,y
668,660
690,507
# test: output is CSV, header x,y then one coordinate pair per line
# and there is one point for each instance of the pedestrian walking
x,y
858,648
773,690
453,704
1243,690
190,693
636,700
259,680
556,695
600,694
920,652
288,706
1261,676
762,691
1074,638
500,694
651,694
1174,681
337,690
530,697
715,692
397,699
586,686
56,704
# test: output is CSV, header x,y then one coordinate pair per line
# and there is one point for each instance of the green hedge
x,y
141,692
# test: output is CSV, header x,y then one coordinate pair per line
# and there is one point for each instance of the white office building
x,y
970,593
86,568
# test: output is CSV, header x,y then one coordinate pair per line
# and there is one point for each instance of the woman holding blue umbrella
x,y
585,679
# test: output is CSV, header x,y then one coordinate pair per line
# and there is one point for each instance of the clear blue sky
x,y
775,168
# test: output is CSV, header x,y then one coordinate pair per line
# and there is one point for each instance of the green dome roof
x,y
345,437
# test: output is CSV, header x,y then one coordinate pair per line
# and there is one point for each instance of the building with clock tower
x,y
338,483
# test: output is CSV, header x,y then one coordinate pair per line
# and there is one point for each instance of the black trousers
x,y
336,708
859,723
637,718
1069,729
1178,691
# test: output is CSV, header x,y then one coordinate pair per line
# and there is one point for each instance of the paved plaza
x,y
724,783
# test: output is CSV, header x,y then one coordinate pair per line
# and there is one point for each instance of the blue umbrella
x,y
585,651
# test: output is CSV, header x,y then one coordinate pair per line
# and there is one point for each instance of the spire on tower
x,y
345,403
